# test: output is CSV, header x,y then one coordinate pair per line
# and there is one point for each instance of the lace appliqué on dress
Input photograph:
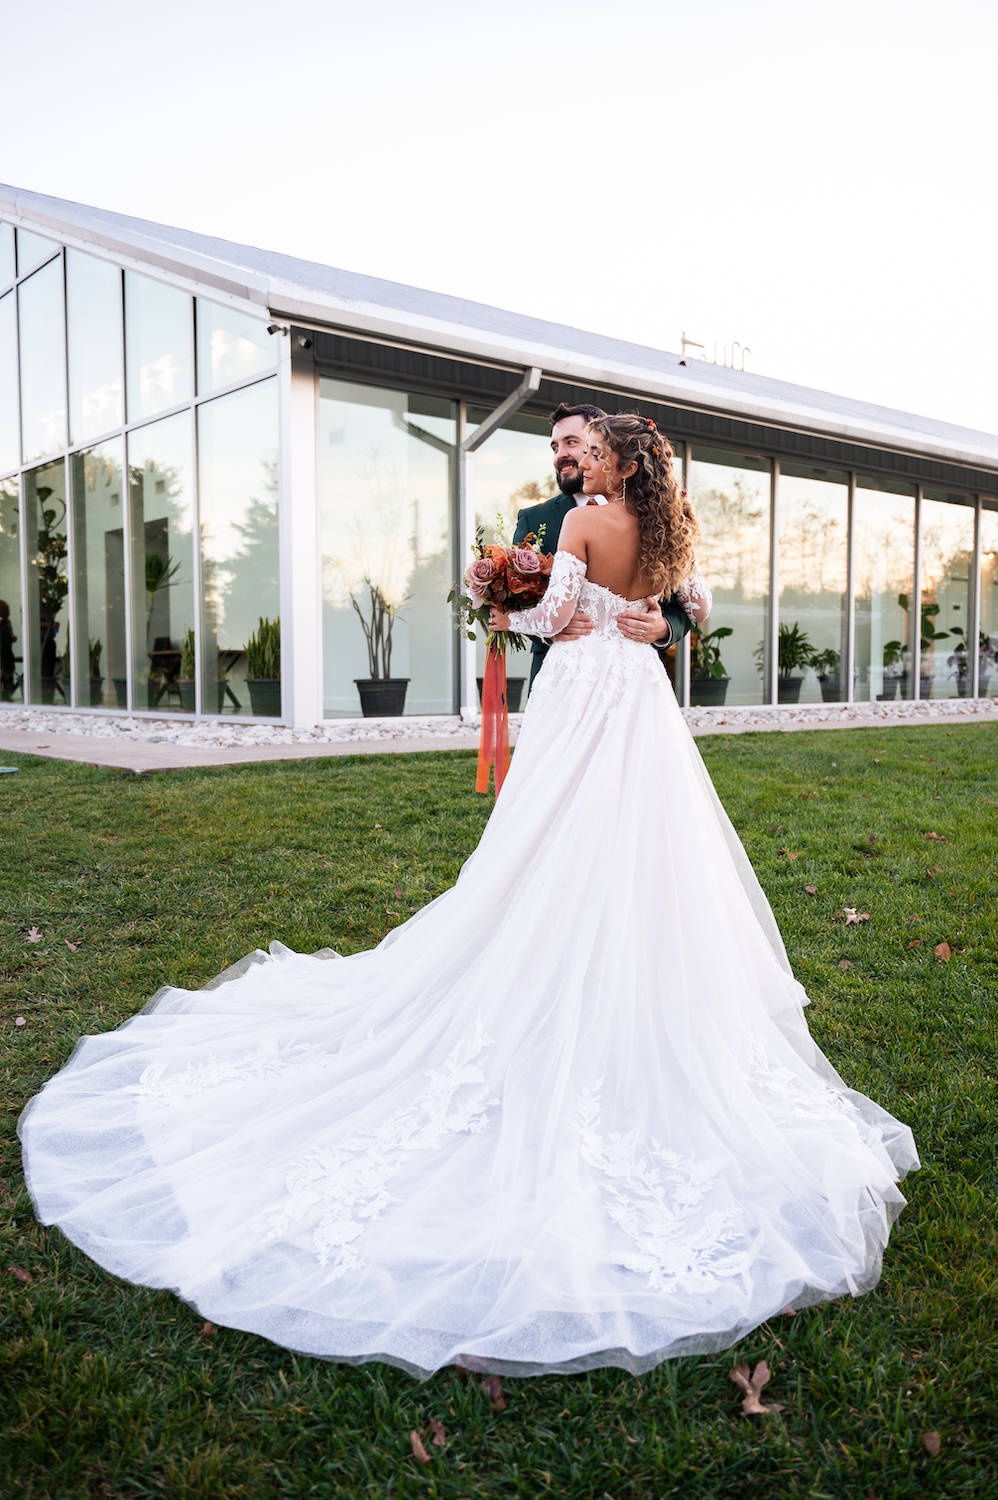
x,y
693,592
653,1198
558,605
794,1099
348,1183
267,1061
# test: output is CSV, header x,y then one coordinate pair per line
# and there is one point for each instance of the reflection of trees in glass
x,y
735,537
883,556
378,549
251,573
812,550
50,564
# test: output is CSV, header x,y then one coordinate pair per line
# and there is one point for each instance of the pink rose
x,y
479,574
525,560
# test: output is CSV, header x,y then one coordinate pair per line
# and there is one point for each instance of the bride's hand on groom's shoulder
x,y
578,626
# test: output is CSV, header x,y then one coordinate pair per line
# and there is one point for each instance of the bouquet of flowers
x,y
511,578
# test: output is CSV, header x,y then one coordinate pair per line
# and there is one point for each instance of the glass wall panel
x,y
731,493
158,339
387,477
988,642
511,469
162,541
947,558
814,524
6,254
231,346
237,458
93,310
11,622
48,584
884,523
10,447
32,250
43,362
99,595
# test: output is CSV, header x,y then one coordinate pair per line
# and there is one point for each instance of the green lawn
x,y
112,1391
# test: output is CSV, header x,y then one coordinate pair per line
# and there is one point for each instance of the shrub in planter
x,y
381,693
263,668
826,665
708,678
794,651
185,680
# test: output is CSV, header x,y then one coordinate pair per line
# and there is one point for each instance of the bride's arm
x,y
695,597
558,605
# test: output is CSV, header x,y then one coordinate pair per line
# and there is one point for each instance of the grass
x,y
109,1390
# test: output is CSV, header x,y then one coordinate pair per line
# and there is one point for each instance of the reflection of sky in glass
x,y
157,346
947,554
231,346
32,250
9,445
884,563
237,456
6,254
43,362
732,503
93,311
99,547
814,522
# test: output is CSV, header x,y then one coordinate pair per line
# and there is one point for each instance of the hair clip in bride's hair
x,y
651,424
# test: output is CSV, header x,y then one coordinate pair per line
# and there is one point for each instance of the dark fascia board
x,y
371,362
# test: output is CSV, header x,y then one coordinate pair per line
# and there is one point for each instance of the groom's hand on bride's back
x,y
650,626
578,626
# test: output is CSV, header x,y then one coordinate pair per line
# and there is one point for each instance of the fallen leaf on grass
x,y
398,893
788,1312
930,1442
812,890
34,936
752,1406
915,943
944,952
20,1021
21,1274
207,1330
439,1434
850,916
935,870
790,853
844,963
418,1451
73,947
493,1385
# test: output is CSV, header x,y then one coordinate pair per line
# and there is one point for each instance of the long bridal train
x,y
568,1115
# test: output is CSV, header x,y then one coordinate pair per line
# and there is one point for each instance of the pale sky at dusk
x,y
813,179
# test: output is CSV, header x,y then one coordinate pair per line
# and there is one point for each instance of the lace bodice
x,y
569,589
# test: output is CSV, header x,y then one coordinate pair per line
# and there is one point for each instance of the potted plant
x,y
827,665
381,694
928,636
94,651
263,669
794,654
893,659
53,586
185,681
708,678
960,662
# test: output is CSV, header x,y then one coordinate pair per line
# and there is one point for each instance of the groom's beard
x,y
571,486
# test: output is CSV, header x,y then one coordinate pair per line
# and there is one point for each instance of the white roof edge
x,y
217,272
371,319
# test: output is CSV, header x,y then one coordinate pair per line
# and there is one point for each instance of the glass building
x,y
236,484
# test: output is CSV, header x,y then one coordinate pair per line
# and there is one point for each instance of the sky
x,y
815,180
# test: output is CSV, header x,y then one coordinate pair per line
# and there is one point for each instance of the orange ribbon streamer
x,y
493,747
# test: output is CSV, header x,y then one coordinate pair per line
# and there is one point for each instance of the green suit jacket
x,y
550,514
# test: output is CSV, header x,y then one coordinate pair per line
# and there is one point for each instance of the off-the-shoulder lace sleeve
x,y
693,592
558,605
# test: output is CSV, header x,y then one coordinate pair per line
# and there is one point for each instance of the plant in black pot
x,y
381,694
53,586
960,663
928,637
263,669
893,662
185,680
95,650
708,678
794,655
827,665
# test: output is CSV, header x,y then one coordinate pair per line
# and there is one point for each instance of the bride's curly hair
x,y
668,529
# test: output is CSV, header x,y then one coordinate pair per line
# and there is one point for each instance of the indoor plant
x,y
893,657
95,650
263,669
960,661
381,693
795,654
827,665
185,681
928,636
708,678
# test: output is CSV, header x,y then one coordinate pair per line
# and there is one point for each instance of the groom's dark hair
x,y
563,410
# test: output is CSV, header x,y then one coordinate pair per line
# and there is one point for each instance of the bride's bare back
x,y
606,538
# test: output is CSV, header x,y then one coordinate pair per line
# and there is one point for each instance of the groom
x,y
669,622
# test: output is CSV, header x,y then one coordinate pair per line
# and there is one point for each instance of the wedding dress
x,y
568,1115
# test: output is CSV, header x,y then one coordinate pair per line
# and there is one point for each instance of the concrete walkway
x,y
142,745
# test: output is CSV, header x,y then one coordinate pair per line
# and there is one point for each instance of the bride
x,y
563,1117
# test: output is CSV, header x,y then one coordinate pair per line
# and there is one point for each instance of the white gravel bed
x,y
226,735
